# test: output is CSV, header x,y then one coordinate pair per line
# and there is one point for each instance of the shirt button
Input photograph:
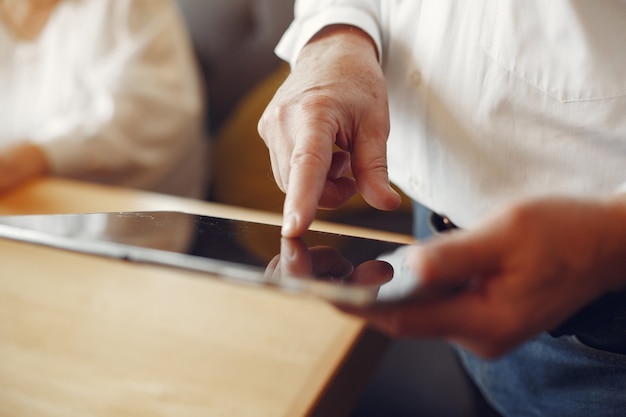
x,y
416,77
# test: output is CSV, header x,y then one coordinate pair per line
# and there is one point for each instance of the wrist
x,y
339,40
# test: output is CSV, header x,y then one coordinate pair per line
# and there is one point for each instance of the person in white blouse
x,y
505,118
103,91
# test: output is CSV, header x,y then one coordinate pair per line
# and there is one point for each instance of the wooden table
x,y
87,336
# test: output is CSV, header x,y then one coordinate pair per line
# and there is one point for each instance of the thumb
x,y
457,259
369,167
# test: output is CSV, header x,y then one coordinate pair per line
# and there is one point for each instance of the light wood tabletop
x,y
82,335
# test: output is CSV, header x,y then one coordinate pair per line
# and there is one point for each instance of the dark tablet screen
x,y
343,269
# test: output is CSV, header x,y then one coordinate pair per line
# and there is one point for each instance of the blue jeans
x,y
552,376
555,374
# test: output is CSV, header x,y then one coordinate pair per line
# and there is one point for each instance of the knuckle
x,y
305,159
375,165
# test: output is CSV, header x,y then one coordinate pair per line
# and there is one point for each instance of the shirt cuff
x,y
303,29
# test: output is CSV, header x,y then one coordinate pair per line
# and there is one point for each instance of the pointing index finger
x,y
310,162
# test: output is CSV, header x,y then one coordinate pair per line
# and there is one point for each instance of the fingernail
x,y
390,188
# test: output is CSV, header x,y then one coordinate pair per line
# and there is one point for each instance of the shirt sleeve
x,y
621,189
313,15
149,126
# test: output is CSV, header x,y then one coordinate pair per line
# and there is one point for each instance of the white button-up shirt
x,y
493,100
110,91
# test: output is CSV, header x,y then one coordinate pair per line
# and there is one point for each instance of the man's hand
x,y
335,96
21,162
531,266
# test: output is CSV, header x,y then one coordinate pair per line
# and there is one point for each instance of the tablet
x,y
342,269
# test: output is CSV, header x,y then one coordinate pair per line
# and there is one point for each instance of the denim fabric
x,y
559,374
552,376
